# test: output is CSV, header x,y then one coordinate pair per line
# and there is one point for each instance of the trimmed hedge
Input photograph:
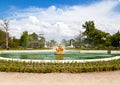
x,y
74,67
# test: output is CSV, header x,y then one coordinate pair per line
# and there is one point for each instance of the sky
x,y
59,19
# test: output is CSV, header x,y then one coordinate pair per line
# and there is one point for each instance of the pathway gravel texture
x,y
94,78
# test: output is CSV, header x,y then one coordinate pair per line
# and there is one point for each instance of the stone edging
x,y
61,61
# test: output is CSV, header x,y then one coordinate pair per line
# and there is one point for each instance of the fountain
x,y
59,54
59,50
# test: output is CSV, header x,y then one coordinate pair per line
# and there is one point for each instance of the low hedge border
x,y
49,67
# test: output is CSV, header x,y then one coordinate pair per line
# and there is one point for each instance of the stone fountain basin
x,y
70,55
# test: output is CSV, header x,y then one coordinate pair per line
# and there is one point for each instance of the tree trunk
x,y
7,40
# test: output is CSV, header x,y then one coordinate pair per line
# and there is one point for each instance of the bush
x,y
74,67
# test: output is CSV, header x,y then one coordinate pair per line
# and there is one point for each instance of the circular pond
x,y
50,55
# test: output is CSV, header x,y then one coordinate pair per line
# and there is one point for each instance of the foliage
x,y
4,26
79,40
52,43
33,36
95,37
42,42
91,38
2,39
64,42
14,43
73,67
33,40
116,39
24,40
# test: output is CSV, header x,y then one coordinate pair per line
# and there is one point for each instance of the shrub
x,y
74,67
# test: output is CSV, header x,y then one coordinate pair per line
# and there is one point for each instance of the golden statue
x,y
59,50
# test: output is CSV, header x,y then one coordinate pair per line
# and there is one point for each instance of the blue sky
x,y
6,5
22,4
59,19
42,3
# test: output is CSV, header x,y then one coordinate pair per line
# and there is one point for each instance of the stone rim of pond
x,y
61,61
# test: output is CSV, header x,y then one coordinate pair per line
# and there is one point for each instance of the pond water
x,y
50,55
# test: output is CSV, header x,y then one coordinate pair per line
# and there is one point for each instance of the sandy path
x,y
97,78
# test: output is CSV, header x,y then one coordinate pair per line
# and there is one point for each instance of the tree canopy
x,y
24,40
94,37
116,39
2,39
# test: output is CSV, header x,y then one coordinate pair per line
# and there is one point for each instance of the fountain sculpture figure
x,y
59,50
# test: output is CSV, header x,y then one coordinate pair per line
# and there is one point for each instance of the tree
x,y
64,42
33,36
42,42
52,43
116,39
2,39
14,43
33,40
24,40
79,40
108,40
94,37
5,25
89,32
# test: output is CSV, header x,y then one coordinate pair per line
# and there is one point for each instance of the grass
x,y
74,67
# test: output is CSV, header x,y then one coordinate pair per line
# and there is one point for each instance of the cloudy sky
x,y
59,19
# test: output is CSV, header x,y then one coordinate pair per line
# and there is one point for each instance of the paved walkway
x,y
97,78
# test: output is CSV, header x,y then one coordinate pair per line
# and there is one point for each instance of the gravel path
x,y
96,78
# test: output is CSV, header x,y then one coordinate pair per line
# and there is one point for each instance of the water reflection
x,y
52,56
24,57
59,57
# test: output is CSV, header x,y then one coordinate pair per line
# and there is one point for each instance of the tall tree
x,y
94,36
5,25
33,40
116,39
42,42
79,40
89,31
24,40
14,42
33,36
2,39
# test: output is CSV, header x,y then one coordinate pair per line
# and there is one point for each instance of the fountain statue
x,y
59,50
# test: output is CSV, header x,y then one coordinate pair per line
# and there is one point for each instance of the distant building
x,y
70,44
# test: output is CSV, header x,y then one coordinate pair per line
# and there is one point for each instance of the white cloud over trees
x,y
65,22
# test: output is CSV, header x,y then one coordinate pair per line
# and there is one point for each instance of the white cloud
x,y
33,20
69,19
